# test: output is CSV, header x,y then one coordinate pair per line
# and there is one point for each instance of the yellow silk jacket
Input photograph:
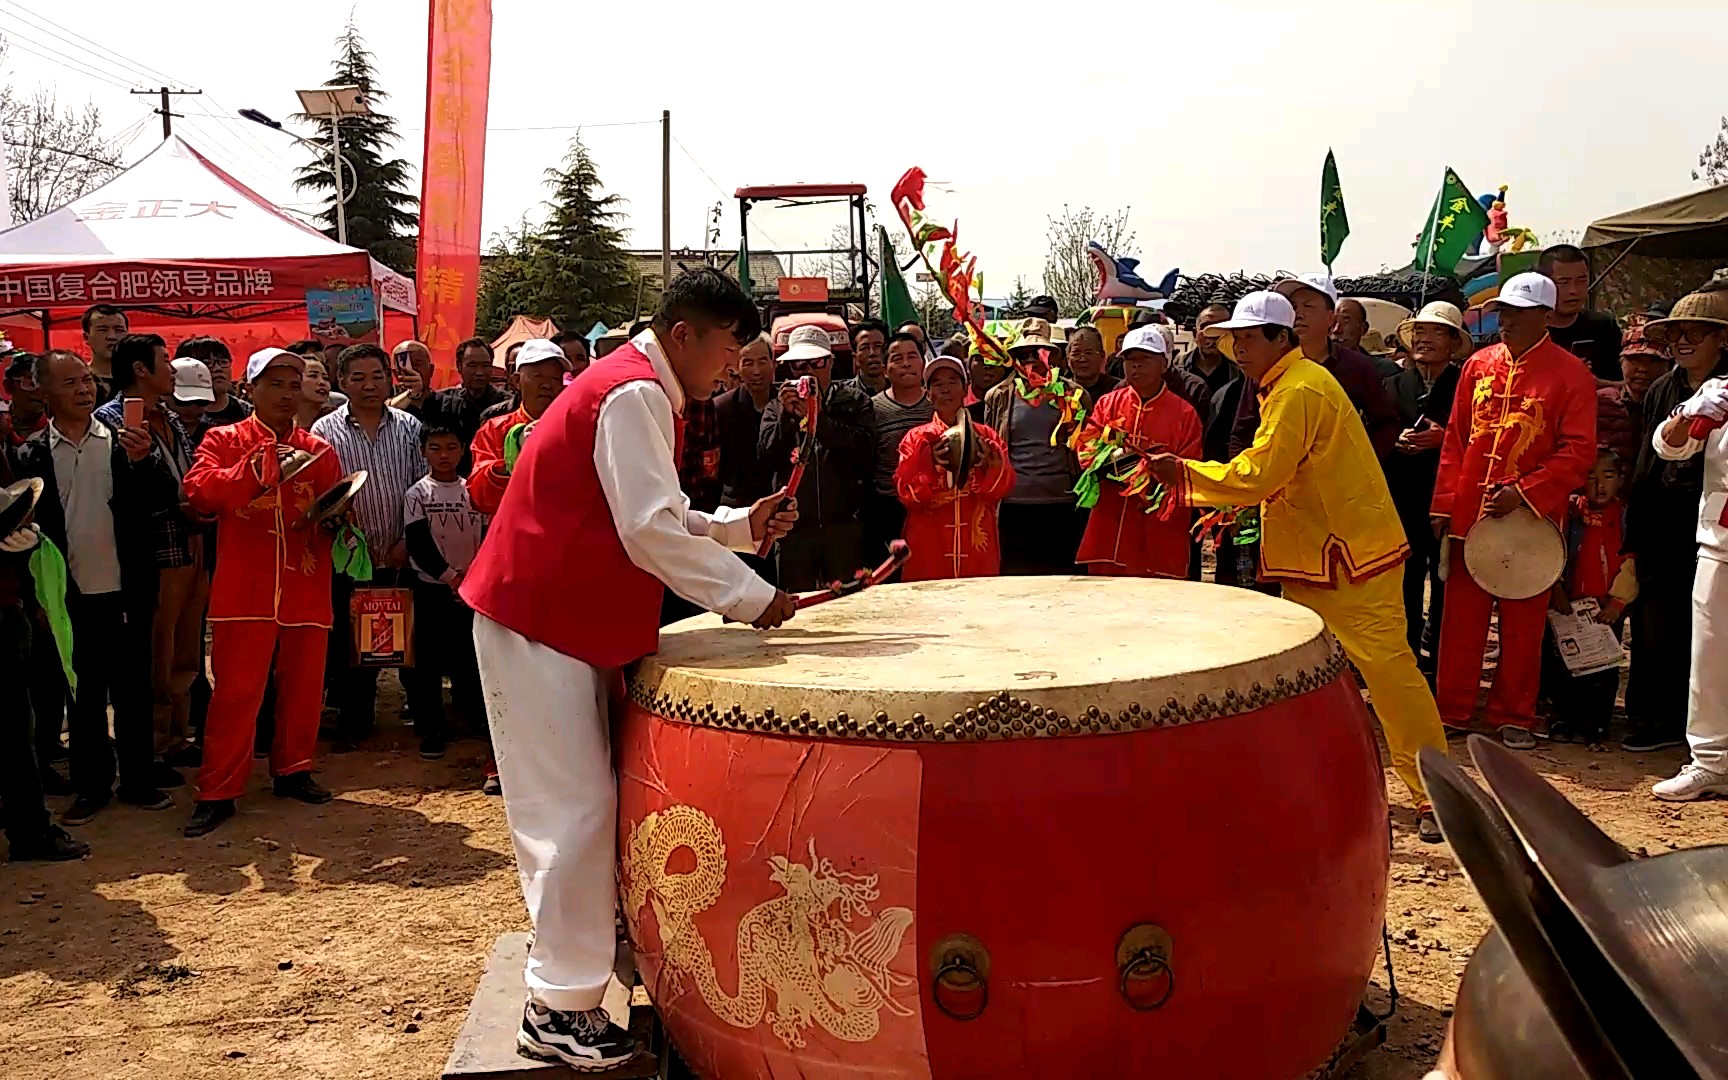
x,y
1323,498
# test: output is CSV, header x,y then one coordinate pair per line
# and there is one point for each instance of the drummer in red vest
x,y
1122,539
271,596
1523,435
566,589
951,530
537,375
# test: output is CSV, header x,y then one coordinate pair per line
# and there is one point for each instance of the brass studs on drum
x,y
1000,716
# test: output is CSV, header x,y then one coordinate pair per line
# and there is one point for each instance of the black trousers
x,y
1584,701
48,694
1661,676
812,558
443,645
111,657
355,688
1422,572
1040,538
22,810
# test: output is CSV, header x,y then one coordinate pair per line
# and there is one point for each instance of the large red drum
x,y
1041,827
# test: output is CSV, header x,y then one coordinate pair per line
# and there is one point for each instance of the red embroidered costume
x,y
1529,422
271,597
952,534
1122,539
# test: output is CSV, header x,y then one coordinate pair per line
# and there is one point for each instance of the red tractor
x,y
820,300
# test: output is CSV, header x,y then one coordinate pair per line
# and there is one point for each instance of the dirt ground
x,y
343,942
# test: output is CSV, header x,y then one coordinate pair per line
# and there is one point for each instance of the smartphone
x,y
134,413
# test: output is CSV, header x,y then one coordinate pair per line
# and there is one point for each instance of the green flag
x,y
744,268
1334,223
897,306
1454,222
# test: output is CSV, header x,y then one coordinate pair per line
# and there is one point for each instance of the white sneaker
x,y
1692,782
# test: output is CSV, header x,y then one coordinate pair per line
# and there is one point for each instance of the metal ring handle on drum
x,y
1145,951
959,965
1147,964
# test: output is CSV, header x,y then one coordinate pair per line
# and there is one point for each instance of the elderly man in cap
x,y
1041,525
1522,437
1330,531
537,379
1121,538
950,517
271,595
1620,405
1423,394
828,542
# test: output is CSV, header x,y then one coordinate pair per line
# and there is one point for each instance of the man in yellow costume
x,y
1328,530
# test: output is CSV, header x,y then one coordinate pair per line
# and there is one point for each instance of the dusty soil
x,y
343,942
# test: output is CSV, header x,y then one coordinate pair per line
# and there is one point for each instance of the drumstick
x,y
898,552
800,455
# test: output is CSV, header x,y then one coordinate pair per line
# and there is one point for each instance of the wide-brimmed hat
x,y
1439,313
1710,306
1034,334
1374,343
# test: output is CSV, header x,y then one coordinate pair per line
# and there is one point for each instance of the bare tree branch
x,y
54,154
1068,273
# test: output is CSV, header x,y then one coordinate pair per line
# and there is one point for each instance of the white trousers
x,y
1707,709
549,733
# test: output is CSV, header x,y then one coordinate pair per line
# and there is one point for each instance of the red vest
x,y
552,567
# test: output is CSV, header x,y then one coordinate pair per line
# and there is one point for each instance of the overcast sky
x,y
1209,119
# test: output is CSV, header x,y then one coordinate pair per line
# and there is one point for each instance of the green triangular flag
x,y
48,572
1334,222
897,306
1454,222
744,266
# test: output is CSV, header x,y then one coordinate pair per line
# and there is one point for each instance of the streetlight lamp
x,y
334,102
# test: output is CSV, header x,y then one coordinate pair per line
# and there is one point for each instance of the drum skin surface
x,y
1008,827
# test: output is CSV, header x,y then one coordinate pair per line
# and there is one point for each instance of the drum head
x,y
1065,651
1516,556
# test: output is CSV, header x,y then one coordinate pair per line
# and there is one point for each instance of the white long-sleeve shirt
x,y
688,550
1712,533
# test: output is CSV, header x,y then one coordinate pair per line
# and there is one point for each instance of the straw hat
x,y
1709,306
1439,313
1034,334
1374,343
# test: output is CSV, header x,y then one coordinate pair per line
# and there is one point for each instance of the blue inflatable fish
x,y
1119,279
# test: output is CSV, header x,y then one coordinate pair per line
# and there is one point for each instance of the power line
x,y
95,48
68,153
42,51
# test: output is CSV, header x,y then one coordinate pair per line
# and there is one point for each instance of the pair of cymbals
x,y
962,444
1600,966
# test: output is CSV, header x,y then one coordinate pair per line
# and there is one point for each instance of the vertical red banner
x,y
452,176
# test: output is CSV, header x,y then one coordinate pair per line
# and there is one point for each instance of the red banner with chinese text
x,y
447,271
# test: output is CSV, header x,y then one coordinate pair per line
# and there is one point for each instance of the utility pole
x,y
165,110
665,199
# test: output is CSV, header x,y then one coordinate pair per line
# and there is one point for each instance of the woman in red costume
x,y
1122,539
952,533
271,596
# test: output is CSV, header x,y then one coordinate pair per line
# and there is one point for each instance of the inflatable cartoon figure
x,y
1119,280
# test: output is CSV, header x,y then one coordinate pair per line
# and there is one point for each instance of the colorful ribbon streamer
x,y
350,554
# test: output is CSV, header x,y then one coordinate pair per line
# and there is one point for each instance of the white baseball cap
x,y
1529,290
192,381
1261,308
1320,283
264,359
538,351
1148,338
807,343
938,363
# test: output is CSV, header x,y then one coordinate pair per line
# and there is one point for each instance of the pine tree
x,y
382,215
572,268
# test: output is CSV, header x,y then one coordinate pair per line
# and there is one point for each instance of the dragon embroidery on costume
x,y
800,947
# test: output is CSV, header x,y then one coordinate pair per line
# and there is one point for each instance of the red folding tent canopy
x,y
185,249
